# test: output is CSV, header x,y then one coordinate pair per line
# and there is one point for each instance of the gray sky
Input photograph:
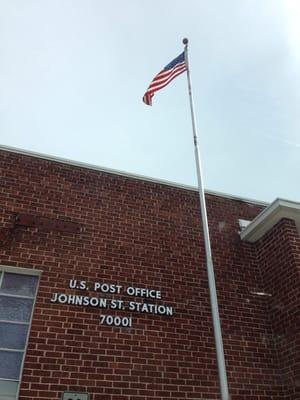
x,y
73,72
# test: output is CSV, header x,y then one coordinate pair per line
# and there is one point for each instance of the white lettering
x,y
143,292
116,304
54,298
150,308
62,298
106,288
72,284
116,321
82,285
80,300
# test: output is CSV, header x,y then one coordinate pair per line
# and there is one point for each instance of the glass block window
x,y
17,294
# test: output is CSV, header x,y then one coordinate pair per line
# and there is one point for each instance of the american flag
x,y
173,69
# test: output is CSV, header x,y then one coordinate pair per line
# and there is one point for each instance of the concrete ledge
x,y
269,217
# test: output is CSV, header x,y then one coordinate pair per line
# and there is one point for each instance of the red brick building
x,y
103,288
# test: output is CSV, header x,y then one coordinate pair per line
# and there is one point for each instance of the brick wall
x,y
142,234
278,254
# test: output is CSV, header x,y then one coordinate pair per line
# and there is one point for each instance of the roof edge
x,y
280,208
80,164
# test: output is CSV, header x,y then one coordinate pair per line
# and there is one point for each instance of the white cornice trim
x,y
126,174
277,210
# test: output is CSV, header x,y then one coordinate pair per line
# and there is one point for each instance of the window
x,y
17,295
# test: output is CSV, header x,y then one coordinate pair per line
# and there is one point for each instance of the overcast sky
x,y
73,73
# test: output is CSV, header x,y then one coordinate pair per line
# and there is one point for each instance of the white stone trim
x,y
277,210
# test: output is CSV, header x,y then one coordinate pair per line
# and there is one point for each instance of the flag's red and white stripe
x,y
162,79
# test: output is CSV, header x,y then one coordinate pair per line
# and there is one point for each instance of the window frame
x,y
21,271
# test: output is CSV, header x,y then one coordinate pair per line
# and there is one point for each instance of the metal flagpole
x,y
209,263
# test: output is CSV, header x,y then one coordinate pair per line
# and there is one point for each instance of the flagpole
x,y
209,263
